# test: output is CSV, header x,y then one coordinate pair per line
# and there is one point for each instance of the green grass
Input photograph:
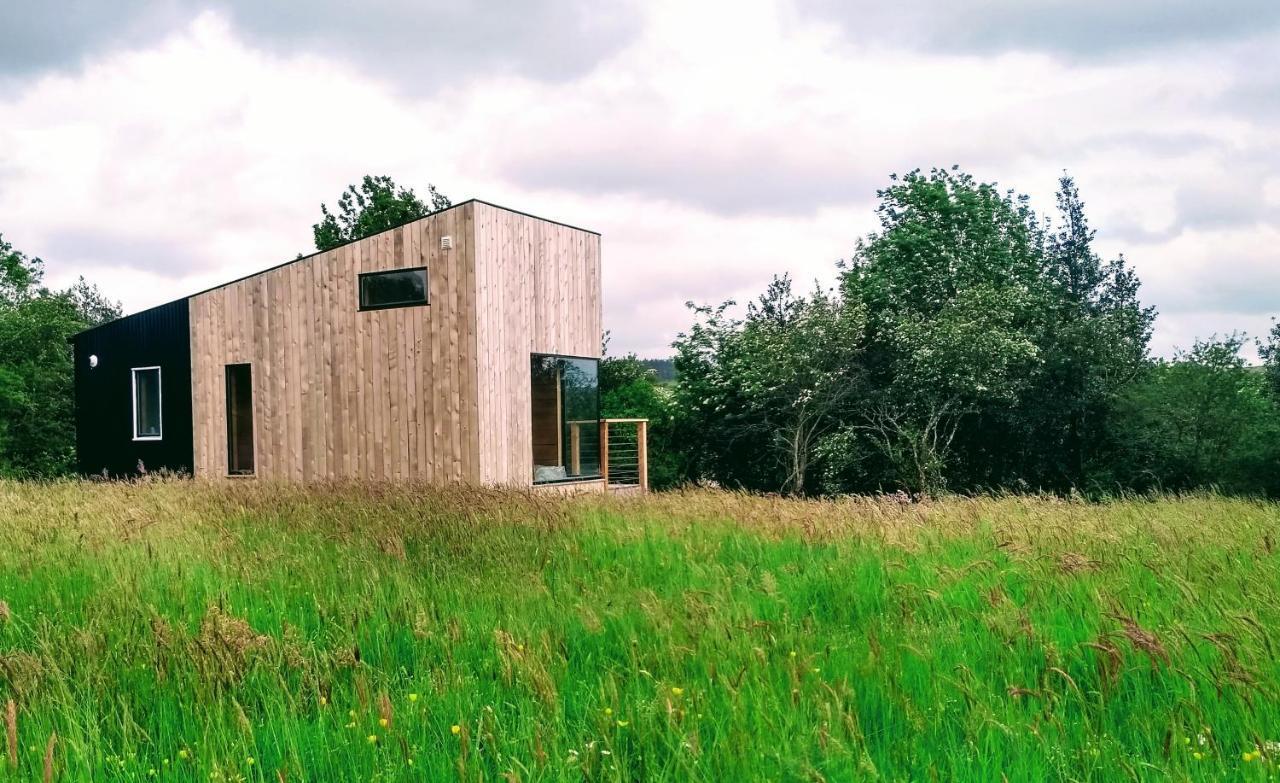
x,y
188,628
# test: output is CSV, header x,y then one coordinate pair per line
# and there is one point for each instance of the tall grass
x,y
182,631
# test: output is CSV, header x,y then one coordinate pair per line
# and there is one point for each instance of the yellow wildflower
x,y
622,724
608,711
456,729
793,653
1251,755
249,761
677,691
184,754
373,739
383,722
1197,755
413,697
323,701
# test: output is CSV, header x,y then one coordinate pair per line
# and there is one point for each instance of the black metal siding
x,y
159,337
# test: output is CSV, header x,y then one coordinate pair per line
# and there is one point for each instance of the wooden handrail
x,y
642,446
604,452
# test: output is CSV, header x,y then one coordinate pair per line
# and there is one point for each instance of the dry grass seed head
x,y
385,710
11,731
1142,640
1109,659
48,758
1075,563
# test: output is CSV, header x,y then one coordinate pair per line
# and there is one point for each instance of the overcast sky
x,y
158,148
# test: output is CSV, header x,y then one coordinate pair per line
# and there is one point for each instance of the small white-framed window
x,y
147,424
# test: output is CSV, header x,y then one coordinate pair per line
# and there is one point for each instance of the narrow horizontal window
x,y
146,403
394,288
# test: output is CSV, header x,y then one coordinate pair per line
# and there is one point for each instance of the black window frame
x,y
426,288
232,435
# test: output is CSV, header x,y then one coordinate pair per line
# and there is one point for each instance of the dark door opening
x,y
239,419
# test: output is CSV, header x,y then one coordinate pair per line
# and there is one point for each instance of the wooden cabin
x,y
463,346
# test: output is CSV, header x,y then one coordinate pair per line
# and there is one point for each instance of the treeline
x,y
970,345
37,427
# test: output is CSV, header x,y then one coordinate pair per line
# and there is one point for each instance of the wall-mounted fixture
x,y
446,243
93,360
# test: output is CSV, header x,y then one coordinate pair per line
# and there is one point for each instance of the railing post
x,y
575,447
604,452
642,453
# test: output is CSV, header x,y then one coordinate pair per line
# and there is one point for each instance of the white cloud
x,y
416,44
711,148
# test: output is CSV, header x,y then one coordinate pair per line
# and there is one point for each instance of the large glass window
x,y
395,288
146,403
566,418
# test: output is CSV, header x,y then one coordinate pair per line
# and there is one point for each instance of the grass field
x,y
177,631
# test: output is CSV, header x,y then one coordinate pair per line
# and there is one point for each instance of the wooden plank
x,y
642,452
604,452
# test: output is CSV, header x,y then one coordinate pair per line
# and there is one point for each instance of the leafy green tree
x,y
970,348
37,428
1203,419
378,204
1269,351
762,392
1095,345
956,297
629,389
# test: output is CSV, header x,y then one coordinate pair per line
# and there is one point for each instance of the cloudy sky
x,y
160,147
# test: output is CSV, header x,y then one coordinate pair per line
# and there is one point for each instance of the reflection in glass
x,y
146,403
566,418
396,288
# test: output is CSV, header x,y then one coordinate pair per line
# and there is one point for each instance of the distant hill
x,y
664,369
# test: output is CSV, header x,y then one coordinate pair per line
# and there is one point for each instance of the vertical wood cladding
x,y
537,291
104,394
339,392
435,393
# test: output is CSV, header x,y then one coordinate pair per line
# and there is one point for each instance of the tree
x,y
1095,345
972,346
1203,419
762,392
955,295
37,428
1269,352
629,388
378,204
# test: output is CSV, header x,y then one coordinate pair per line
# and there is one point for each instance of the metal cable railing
x,y
624,452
